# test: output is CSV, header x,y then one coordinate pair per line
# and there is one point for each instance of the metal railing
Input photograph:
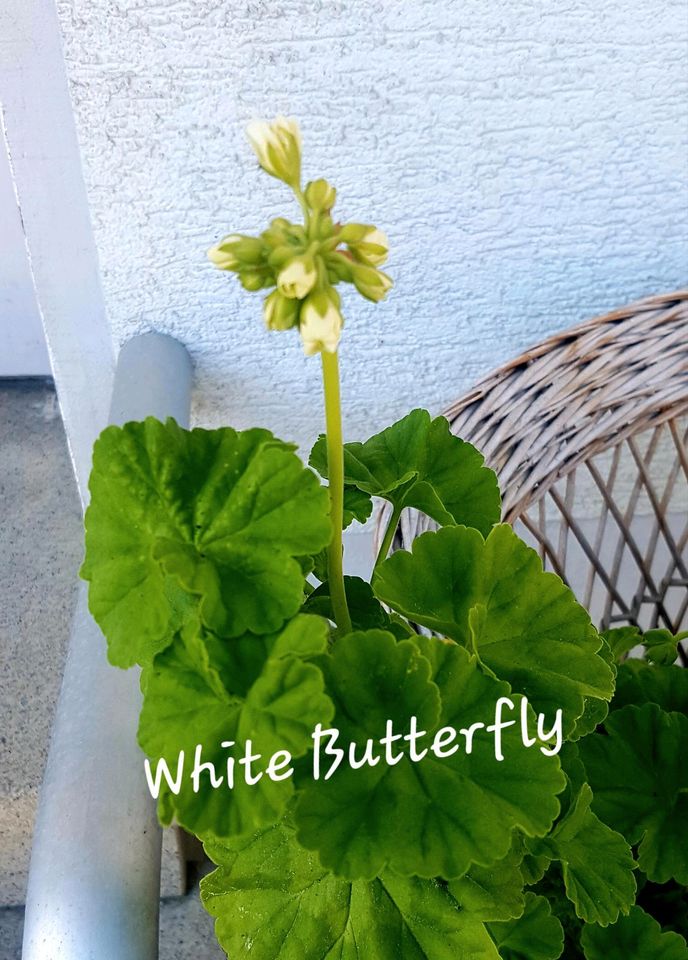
x,y
94,879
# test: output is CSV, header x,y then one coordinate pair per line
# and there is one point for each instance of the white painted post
x,y
45,160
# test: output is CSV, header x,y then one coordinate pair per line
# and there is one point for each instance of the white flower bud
x,y
278,148
298,277
236,251
371,247
280,313
320,324
371,283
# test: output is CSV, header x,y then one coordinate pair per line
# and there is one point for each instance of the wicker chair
x,y
587,432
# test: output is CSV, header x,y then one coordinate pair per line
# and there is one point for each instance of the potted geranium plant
x,y
369,789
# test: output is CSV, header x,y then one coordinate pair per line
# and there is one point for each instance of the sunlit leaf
x,y
493,597
217,514
436,816
272,900
417,462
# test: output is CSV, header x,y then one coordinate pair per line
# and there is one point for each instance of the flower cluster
x,y
304,262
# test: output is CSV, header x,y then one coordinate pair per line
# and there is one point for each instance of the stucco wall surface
x,y
527,160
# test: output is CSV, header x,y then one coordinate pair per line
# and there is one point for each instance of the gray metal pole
x,y
94,881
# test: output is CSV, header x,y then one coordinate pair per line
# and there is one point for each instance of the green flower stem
x,y
389,535
298,193
335,469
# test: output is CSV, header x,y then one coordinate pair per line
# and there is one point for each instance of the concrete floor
x,y
40,552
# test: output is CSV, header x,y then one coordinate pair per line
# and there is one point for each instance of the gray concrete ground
x,y
40,552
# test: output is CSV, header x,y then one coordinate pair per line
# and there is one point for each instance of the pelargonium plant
x,y
447,762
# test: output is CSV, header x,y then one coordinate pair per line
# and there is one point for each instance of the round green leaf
x,y
217,514
190,699
493,597
272,900
365,610
437,816
417,462
639,682
597,863
637,935
492,893
536,934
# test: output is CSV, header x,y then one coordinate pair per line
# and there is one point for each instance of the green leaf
x,y
436,816
637,935
494,892
661,646
639,779
639,682
493,597
273,900
597,863
595,711
418,463
217,513
365,609
272,698
533,868
622,640
535,935
551,887
357,506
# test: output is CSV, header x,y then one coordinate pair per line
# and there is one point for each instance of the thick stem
x,y
335,470
389,535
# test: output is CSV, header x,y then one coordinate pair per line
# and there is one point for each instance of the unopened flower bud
x,y
353,232
320,195
371,283
235,251
278,148
280,312
255,279
320,324
297,278
372,248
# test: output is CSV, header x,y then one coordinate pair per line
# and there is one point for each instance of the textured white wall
x,y
527,159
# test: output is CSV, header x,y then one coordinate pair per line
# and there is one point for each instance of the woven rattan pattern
x,y
592,422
